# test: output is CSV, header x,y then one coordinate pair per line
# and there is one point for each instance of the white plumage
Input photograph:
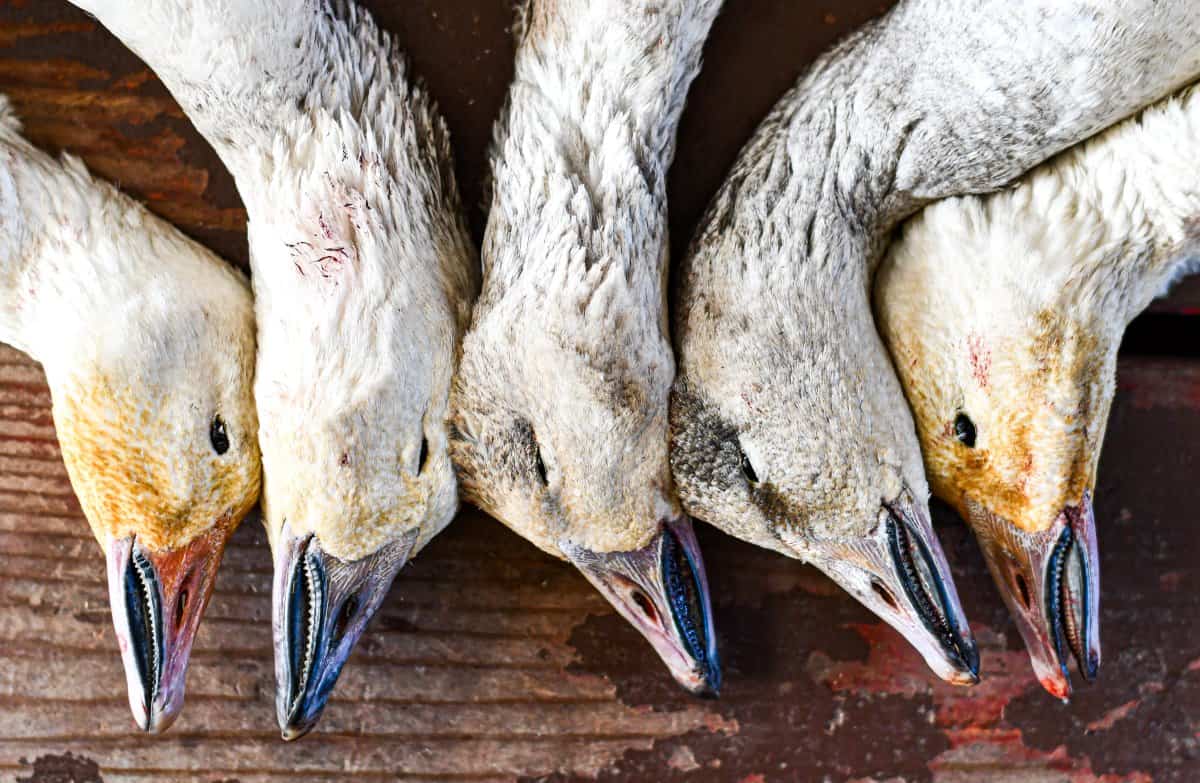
x,y
363,275
147,340
1009,309
789,427
560,406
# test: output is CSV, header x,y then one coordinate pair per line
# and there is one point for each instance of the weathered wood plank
x,y
439,683
382,756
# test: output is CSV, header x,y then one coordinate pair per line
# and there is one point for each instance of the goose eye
x,y
747,469
964,430
218,436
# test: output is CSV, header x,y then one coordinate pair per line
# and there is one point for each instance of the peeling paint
x,y
63,769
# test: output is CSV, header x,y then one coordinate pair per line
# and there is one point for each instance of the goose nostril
x,y
345,617
423,456
885,594
181,607
1022,589
190,582
645,605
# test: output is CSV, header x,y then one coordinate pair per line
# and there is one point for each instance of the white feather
x,y
568,356
1043,277
363,271
145,337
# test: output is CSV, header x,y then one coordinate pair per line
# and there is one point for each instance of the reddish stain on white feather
x,y
981,359
328,265
1026,472
748,396
332,261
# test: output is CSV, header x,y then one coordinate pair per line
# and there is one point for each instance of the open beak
x,y
157,600
901,574
1051,583
662,589
321,607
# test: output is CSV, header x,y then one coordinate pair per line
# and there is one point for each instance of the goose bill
x,y
321,607
1051,583
662,590
901,574
157,599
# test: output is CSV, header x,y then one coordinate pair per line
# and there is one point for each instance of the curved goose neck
x,y
241,69
80,262
938,98
340,157
303,100
1110,223
595,102
590,63
49,214
1149,168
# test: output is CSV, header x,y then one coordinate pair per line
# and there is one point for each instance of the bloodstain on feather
x,y
981,359
327,265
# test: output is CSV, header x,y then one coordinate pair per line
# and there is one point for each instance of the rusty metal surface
x,y
492,662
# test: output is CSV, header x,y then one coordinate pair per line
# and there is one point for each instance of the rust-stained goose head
x,y
1003,314
789,427
147,340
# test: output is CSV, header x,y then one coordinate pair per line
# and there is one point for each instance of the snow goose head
x,y
1003,314
797,439
147,340
560,405
789,429
357,346
363,278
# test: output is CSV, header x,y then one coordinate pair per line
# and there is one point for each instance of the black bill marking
x,y
306,617
685,597
927,593
1068,603
320,609
143,605
662,590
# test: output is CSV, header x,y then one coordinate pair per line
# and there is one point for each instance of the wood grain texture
x,y
491,662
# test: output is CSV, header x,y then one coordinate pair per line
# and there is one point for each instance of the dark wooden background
x,y
493,662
